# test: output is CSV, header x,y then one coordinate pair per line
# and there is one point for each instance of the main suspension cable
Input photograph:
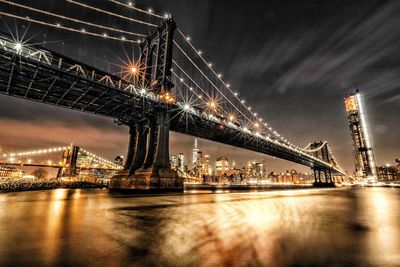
x,y
59,26
71,19
111,13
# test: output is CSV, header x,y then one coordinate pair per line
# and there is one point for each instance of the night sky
x,y
294,61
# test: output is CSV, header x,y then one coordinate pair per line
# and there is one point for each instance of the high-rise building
x,y
181,162
195,154
249,170
206,168
256,170
199,161
174,162
363,154
221,166
264,168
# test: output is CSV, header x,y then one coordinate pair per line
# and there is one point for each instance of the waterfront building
x,y
363,153
387,173
195,154
256,170
263,169
272,177
174,162
296,176
10,172
181,162
199,161
221,166
206,168
249,171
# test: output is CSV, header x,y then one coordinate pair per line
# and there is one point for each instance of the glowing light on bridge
x,y
35,152
167,97
18,47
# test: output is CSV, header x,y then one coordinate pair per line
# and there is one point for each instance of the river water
x,y
308,227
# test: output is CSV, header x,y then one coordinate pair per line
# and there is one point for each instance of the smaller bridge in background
x,y
73,162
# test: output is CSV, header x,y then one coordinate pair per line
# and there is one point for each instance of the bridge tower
x,y
69,159
322,176
147,164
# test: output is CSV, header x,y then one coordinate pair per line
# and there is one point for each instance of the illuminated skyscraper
x,y
363,154
221,166
195,154
174,162
181,162
206,168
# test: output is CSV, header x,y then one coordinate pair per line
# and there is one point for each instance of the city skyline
x,y
298,109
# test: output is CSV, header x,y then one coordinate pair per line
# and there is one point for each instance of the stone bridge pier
x,y
147,165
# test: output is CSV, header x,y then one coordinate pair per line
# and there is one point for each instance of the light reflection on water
x,y
329,227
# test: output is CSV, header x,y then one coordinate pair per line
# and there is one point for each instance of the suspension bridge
x,y
171,86
68,160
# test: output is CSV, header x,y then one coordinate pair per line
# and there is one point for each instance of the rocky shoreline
x,y
15,185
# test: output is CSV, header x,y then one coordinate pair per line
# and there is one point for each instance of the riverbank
x,y
14,185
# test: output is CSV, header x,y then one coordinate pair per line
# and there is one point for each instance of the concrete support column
x,y
152,142
140,149
162,151
131,147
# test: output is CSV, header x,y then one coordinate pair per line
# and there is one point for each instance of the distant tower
x,y
195,154
363,154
